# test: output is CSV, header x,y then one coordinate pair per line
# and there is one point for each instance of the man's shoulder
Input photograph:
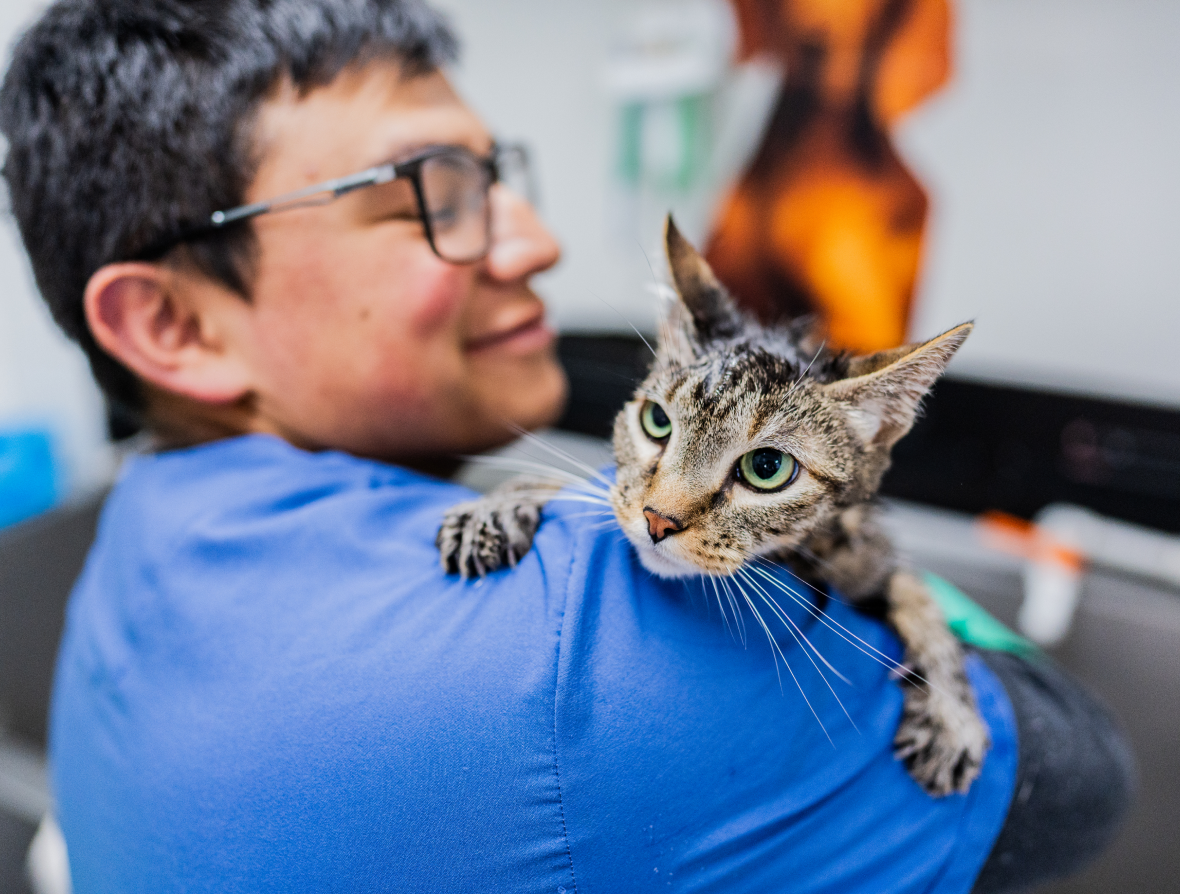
x,y
297,651
255,488
258,474
253,576
253,531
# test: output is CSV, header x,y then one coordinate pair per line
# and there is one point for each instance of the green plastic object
x,y
972,624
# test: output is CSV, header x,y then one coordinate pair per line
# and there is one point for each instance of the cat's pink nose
x,y
660,526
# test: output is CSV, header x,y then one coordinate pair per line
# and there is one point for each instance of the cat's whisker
x,y
593,494
892,664
810,556
601,526
657,286
594,513
825,594
607,521
833,595
625,320
733,604
775,648
516,464
548,495
826,619
565,492
613,372
803,374
577,498
582,470
720,604
569,479
801,639
787,619
562,454
724,617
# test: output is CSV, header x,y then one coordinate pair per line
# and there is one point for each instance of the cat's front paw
x,y
484,535
941,738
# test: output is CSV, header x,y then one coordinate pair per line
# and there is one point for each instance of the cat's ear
x,y
714,315
884,390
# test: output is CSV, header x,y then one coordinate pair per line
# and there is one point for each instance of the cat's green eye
x,y
655,421
767,469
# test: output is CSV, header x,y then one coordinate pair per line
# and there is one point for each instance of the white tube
x,y
1053,583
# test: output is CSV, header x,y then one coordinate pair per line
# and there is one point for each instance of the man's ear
x,y
884,390
163,326
713,313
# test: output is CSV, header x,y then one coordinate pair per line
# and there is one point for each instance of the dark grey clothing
x,y
1074,780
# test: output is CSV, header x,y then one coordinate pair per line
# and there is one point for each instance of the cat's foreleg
x,y
481,536
941,738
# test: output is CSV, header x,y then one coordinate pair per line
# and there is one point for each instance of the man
x,y
286,244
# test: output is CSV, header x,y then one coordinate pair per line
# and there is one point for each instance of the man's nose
x,y
521,244
660,526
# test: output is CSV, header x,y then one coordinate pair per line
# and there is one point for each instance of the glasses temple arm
x,y
337,187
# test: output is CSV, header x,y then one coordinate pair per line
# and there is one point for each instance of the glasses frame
x,y
329,190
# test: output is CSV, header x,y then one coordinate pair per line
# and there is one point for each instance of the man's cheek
x,y
422,380
434,304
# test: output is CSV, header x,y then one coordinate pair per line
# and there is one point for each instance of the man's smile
x,y
523,336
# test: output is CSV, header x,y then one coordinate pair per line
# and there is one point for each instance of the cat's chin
x,y
664,565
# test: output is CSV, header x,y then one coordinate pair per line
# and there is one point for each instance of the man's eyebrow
x,y
399,151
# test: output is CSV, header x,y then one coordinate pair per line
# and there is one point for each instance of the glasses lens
x,y
514,172
455,192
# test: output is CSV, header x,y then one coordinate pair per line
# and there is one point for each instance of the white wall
x,y
1053,161
536,70
44,379
1054,164
533,69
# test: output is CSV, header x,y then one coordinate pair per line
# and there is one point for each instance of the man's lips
x,y
532,334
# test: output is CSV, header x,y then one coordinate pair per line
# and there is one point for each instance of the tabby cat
x,y
744,442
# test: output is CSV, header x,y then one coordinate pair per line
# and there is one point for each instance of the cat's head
x,y
744,439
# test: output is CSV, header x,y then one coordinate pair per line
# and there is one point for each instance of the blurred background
x,y
892,166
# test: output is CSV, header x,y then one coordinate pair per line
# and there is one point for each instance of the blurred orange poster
x,y
827,219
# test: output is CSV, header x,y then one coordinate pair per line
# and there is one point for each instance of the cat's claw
x,y
941,738
484,535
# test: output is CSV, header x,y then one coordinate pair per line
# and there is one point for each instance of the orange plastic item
x,y
1022,538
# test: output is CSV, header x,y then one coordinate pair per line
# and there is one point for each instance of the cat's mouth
x,y
668,558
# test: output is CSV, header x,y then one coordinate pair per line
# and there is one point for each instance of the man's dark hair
x,y
129,121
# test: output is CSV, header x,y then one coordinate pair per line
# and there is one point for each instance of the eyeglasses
x,y
450,186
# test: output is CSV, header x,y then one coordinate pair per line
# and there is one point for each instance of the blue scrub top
x,y
267,684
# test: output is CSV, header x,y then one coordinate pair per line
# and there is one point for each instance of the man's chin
x,y
534,399
490,408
